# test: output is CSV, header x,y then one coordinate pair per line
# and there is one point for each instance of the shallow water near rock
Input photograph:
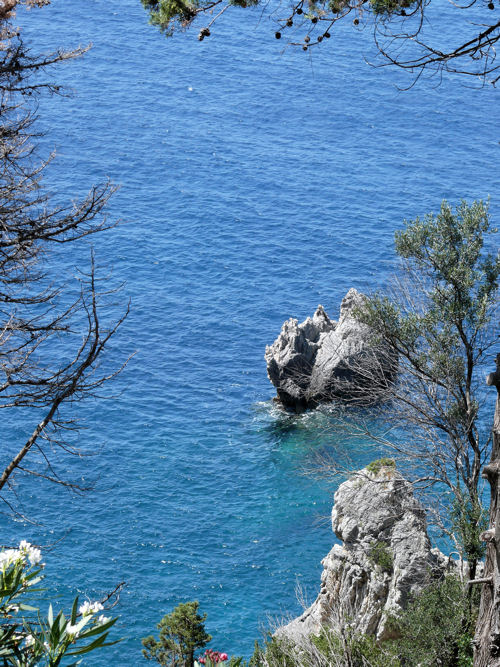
x,y
255,185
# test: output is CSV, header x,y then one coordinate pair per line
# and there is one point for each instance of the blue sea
x,y
257,181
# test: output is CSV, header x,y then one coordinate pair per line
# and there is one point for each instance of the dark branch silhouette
x,y
402,29
51,343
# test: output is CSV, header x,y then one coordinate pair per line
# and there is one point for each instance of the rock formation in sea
x,y
321,360
385,557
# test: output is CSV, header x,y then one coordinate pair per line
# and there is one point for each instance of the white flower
x,y
13,609
84,609
89,608
72,629
9,556
34,556
103,619
29,640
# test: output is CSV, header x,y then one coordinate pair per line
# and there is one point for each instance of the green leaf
x,y
74,610
56,630
97,643
98,629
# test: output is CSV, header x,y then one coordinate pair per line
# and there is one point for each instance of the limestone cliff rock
x,y
290,359
385,557
320,359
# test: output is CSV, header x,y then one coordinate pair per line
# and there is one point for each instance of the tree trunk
x,y
487,637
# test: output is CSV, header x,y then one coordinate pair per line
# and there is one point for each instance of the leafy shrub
x,y
236,661
375,466
278,652
469,519
390,6
354,649
380,555
437,627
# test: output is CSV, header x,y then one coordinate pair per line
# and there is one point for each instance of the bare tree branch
x,y
51,343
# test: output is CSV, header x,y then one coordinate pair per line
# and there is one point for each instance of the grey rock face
x,y
320,359
385,558
290,359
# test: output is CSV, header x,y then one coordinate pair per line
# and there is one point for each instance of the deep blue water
x,y
255,184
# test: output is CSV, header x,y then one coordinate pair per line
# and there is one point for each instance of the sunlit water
x,y
255,185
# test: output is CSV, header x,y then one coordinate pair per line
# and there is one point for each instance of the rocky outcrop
x,y
385,558
291,358
322,360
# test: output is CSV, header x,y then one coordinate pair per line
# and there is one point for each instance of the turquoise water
x,y
255,184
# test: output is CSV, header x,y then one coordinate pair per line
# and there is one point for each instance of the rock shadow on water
x,y
307,440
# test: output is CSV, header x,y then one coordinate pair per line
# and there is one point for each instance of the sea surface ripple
x,y
255,184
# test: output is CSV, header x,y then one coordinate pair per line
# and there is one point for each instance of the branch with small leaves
x,y
398,27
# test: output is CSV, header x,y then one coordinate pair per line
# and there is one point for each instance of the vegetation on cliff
x,y
438,317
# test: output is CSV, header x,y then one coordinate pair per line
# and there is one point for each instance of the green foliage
x,y
258,655
182,632
375,466
449,249
336,6
389,7
437,627
276,653
439,322
28,638
465,650
353,649
164,13
236,661
380,554
328,643
459,282
329,649
244,3
469,520
280,652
